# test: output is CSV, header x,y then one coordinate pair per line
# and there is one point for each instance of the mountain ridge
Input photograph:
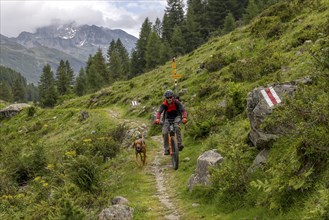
x,y
70,42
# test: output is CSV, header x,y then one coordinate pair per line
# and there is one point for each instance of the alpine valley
x,y
29,52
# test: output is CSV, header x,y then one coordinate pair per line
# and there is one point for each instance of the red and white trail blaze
x,y
270,96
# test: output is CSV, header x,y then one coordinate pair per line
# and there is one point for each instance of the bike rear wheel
x,y
175,152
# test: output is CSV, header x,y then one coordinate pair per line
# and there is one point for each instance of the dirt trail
x,y
162,187
158,169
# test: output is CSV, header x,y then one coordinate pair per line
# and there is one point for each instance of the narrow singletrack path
x,y
162,187
159,169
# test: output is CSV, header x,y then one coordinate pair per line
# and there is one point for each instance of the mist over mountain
x,y
29,52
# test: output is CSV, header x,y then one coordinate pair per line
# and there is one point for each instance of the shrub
x,y
104,146
309,32
236,104
24,166
230,180
321,55
317,207
207,90
206,120
36,126
117,133
267,62
7,185
84,172
267,27
216,62
31,111
246,70
71,211
283,10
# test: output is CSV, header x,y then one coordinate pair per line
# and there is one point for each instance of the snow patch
x,y
82,43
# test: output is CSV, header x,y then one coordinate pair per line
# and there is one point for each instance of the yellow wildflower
x,y
71,153
19,196
50,166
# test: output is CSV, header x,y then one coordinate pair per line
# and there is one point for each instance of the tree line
x,y
177,34
14,88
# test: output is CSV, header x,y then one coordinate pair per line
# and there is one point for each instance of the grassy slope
x,y
205,91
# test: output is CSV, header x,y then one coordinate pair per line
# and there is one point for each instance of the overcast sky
x,y
27,15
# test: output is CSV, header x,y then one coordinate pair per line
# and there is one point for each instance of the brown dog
x,y
140,148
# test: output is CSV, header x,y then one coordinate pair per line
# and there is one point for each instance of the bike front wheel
x,y
175,152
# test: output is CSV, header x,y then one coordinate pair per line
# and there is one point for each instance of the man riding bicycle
x,y
173,110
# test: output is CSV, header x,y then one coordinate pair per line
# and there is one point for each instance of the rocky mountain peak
x,y
58,41
68,37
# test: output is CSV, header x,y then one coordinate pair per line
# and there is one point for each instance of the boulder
x,y
12,110
201,176
259,107
259,161
120,200
116,212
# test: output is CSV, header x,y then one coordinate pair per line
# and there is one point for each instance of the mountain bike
x,y
173,144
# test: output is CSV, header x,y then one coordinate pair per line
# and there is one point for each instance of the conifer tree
x,y
216,13
100,65
119,64
124,59
70,74
6,93
138,62
251,11
174,16
110,49
152,55
229,24
166,29
32,92
237,8
166,53
115,66
134,68
157,27
62,80
195,32
80,83
178,42
47,89
94,80
14,84
19,90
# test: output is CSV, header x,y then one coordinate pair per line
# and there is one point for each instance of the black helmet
x,y
168,93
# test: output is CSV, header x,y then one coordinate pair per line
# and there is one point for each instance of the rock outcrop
x,y
12,110
118,211
201,176
258,108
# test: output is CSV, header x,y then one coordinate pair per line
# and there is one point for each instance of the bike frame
x,y
173,145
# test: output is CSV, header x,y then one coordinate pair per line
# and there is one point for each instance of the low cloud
x,y
18,16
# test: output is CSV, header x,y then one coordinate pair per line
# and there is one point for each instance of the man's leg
x,y
165,129
179,135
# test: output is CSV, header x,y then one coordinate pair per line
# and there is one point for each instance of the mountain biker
x,y
174,110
